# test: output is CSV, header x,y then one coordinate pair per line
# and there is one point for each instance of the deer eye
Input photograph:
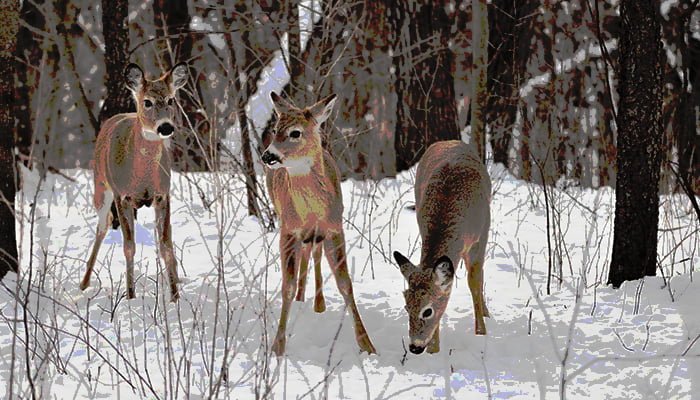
x,y
295,134
427,313
171,101
147,103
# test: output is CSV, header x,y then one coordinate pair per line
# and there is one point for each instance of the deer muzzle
x,y
165,130
270,158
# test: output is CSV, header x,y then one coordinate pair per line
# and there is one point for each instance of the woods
x,y
584,113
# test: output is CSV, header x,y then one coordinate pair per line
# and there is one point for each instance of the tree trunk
x,y
244,62
480,43
28,53
9,14
426,107
116,35
639,143
194,148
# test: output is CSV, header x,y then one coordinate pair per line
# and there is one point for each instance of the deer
x,y
303,181
453,195
132,169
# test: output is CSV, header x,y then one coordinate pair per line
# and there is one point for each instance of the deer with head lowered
x,y
304,184
132,169
453,193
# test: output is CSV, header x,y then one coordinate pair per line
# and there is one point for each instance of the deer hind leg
x,y
163,227
103,203
303,271
290,248
475,263
334,245
319,301
125,212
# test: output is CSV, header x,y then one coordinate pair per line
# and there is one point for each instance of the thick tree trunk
x,y
116,34
480,42
29,54
9,14
426,107
639,143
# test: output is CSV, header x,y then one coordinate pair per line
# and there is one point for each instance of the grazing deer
x,y
132,169
453,192
304,184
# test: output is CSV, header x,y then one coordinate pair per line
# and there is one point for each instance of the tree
x,y
480,42
9,14
639,142
115,29
426,108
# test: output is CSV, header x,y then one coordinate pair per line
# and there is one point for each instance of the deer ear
x,y
279,104
322,110
133,76
444,273
178,76
405,265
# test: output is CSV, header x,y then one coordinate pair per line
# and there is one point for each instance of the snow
x,y
622,343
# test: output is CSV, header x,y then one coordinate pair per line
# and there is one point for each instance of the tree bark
x,y
426,108
639,143
480,44
9,15
115,29
244,63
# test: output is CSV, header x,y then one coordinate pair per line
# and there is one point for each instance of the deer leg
x,y
319,301
103,203
162,209
475,279
434,345
125,212
303,271
334,245
289,249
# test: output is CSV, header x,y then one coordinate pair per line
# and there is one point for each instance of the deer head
x,y
296,141
428,292
155,99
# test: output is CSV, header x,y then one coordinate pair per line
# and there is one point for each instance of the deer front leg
x,y
334,245
289,250
319,301
103,203
475,278
125,212
163,227
303,271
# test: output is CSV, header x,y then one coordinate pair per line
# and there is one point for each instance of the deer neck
x,y
307,167
442,245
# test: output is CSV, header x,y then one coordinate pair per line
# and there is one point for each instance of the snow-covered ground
x,y
584,339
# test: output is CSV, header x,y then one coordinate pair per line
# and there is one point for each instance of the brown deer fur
x,y
304,184
132,169
453,193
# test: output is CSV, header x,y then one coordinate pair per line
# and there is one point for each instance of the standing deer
x,y
304,184
132,169
453,192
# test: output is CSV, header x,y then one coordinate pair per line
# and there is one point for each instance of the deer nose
x,y
415,349
270,158
166,129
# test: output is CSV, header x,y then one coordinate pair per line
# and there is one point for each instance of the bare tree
x,y
9,14
116,34
639,143
480,40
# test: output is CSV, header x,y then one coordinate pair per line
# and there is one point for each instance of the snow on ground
x,y
215,342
